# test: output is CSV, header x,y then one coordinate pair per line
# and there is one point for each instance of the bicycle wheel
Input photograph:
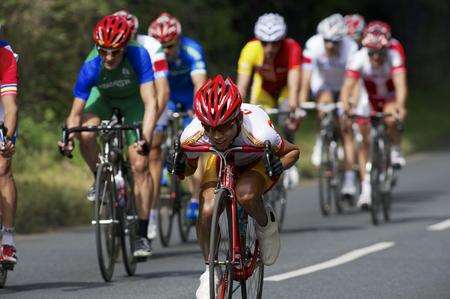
x,y
166,212
335,177
220,250
375,183
105,221
386,178
129,227
3,276
184,224
325,177
252,287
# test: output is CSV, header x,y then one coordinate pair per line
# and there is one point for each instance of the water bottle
x,y
120,188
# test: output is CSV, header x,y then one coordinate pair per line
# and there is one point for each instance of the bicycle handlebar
x,y
324,107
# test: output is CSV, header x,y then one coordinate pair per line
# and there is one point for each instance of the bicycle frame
x,y
226,180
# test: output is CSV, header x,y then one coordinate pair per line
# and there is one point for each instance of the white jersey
x,y
327,71
377,81
256,128
156,52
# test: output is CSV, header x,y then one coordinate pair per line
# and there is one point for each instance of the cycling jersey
x,y
118,87
269,77
8,73
327,71
156,52
256,128
397,46
189,61
378,83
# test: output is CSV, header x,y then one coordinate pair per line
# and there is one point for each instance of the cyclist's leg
x,y
8,205
95,110
207,188
250,186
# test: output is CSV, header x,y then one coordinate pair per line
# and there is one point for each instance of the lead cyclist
x,y
224,122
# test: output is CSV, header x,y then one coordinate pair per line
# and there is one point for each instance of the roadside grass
x,y
51,189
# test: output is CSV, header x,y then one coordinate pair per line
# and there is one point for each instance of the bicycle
x,y
330,171
115,215
379,166
175,200
234,249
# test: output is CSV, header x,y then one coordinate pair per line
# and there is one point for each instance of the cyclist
x,y
272,62
161,71
8,115
324,59
187,73
223,121
122,72
383,71
355,26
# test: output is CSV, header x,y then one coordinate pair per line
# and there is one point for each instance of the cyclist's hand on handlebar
x,y
7,148
401,112
274,167
143,147
176,162
66,148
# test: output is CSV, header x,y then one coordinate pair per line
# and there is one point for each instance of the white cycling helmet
x,y
332,28
270,27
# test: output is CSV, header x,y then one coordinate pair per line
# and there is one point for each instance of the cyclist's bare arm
x,y
148,94
293,83
288,153
243,82
198,79
75,114
401,92
347,90
162,91
11,110
305,84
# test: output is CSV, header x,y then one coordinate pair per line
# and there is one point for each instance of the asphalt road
x,y
336,257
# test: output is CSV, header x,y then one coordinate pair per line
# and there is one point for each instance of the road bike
x,y
175,198
379,167
234,257
115,215
330,168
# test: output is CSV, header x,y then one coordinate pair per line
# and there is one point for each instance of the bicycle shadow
x,y
67,286
322,228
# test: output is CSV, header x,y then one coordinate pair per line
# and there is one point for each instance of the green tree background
x,y
53,37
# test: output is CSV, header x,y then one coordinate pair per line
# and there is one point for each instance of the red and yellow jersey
x,y
256,128
272,74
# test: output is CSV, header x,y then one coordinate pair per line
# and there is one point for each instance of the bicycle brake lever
x,y
64,139
267,157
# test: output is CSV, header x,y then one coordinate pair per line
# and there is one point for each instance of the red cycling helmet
x,y
376,35
112,32
217,102
355,25
132,20
165,28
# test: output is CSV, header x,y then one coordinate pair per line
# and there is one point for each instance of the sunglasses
x,y
222,128
169,45
334,42
112,52
381,53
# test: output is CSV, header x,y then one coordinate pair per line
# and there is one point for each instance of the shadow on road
x,y
411,219
68,286
416,196
167,274
322,228
174,253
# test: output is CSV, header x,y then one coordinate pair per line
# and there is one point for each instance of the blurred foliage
x,y
53,37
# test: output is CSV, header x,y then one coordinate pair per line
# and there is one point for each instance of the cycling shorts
x,y
261,97
212,165
131,108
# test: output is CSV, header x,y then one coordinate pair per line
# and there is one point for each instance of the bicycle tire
x,y
184,224
324,180
105,221
336,177
129,227
3,276
220,249
375,184
253,286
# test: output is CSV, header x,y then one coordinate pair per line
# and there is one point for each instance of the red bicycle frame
x,y
226,175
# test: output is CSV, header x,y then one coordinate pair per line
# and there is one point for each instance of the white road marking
x,y
439,226
348,257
